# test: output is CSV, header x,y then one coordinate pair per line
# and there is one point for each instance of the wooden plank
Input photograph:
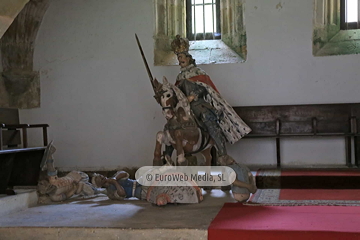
x,y
26,169
329,118
334,127
311,120
296,127
262,127
290,113
8,151
271,178
20,167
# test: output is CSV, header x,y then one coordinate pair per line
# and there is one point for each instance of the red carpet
x,y
237,221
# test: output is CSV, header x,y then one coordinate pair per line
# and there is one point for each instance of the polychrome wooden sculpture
x,y
181,132
210,109
59,189
120,187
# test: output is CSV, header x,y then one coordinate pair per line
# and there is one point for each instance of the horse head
x,y
166,97
172,100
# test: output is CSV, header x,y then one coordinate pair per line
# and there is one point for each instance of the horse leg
x,y
160,139
207,155
179,148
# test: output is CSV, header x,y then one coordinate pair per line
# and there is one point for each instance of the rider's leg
x,y
209,119
211,123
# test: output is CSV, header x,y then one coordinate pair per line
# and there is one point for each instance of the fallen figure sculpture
x,y
120,187
60,189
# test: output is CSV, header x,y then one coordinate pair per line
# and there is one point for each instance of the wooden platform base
x,y
308,178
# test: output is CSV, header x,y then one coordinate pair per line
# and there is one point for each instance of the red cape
x,y
202,78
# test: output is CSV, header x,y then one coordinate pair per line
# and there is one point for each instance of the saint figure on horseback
x,y
212,112
181,131
197,116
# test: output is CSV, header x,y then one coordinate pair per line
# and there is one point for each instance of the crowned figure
x,y
211,110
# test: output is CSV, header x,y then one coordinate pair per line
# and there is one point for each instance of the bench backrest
x,y
10,116
301,119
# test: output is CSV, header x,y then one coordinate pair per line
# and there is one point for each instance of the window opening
x,y
350,14
203,19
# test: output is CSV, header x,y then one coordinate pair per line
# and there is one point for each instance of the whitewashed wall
x,y
96,96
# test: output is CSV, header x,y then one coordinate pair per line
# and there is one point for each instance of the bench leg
x,y
348,151
278,159
357,151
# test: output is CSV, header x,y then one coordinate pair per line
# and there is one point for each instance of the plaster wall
x,y
96,96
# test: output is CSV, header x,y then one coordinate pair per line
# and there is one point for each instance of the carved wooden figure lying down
x,y
59,189
244,183
120,187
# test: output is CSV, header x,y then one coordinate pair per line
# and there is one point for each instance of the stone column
x,y
18,79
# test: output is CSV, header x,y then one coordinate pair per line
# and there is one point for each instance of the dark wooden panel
x,y
333,127
305,120
341,181
295,127
330,118
290,113
26,168
6,165
20,167
320,182
262,127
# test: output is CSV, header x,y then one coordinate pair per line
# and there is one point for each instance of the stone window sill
x,y
344,42
204,52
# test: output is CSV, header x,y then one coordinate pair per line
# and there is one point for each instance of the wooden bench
x,y
313,120
19,164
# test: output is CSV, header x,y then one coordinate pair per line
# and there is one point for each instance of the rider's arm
x,y
120,175
198,93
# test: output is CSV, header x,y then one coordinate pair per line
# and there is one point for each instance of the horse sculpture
x,y
181,130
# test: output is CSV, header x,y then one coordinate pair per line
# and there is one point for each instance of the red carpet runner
x,y
236,221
